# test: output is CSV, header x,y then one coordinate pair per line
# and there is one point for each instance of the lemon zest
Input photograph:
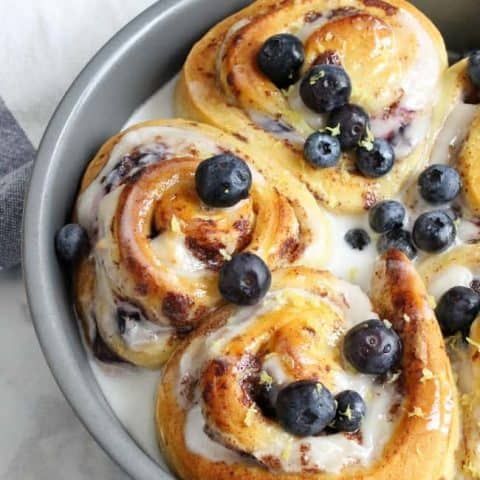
x,y
394,377
334,131
223,252
427,375
367,142
250,416
473,343
316,77
417,412
175,225
287,451
353,274
265,378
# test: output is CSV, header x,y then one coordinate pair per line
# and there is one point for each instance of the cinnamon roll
x,y
215,421
152,273
392,59
453,278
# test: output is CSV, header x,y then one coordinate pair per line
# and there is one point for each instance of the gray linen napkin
x,y
16,159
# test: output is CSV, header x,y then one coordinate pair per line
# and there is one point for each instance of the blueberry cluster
x,y
307,408
326,89
433,231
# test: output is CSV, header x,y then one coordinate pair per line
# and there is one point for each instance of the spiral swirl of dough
x,y
153,271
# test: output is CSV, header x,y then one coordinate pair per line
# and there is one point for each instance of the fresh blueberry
x,y
281,58
71,243
357,238
305,408
351,410
397,239
245,279
386,216
322,150
434,231
352,122
372,347
265,396
375,160
325,88
223,180
439,184
474,68
457,309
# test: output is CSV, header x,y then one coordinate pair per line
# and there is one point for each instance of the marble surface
x,y
40,436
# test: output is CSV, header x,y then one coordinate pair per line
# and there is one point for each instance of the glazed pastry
x,y
152,273
457,271
224,406
369,71
452,278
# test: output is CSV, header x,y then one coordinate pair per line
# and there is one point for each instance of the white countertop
x,y
40,436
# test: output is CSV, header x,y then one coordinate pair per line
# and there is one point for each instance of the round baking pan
x,y
131,67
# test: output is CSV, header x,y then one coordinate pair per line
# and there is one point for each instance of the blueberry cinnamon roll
x,y
315,381
340,93
165,205
453,280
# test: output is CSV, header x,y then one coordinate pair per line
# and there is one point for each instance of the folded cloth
x,y
44,44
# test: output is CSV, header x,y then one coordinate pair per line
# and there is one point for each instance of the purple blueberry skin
x,y
305,408
325,88
223,180
281,58
457,309
71,243
372,348
245,279
434,231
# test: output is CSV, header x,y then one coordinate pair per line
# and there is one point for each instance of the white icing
x,y
170,251
307,29
199,442
231,32
130,393
453,133
421,80
274,367
315,120
453,276
352,265
275,128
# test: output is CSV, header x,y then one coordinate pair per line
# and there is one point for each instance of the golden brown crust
x,y
464,356
221,83
425,436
